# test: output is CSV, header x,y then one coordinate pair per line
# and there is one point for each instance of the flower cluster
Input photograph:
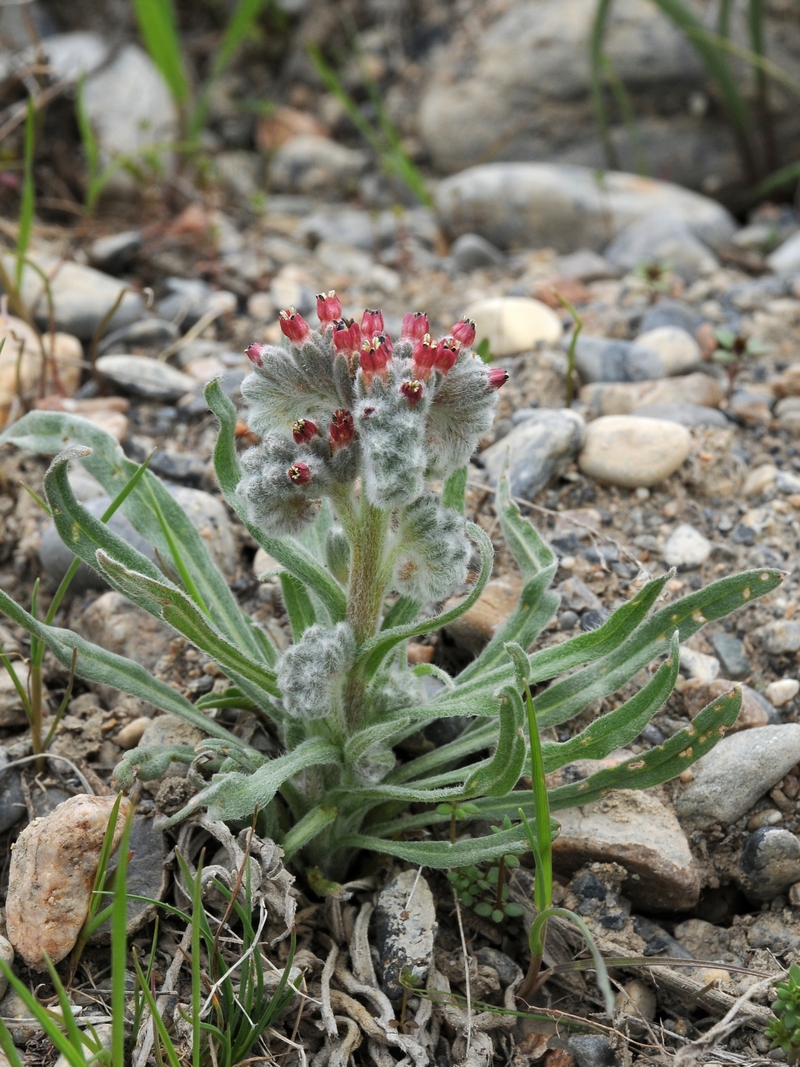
x,y
346,402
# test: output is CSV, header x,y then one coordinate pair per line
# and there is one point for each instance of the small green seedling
x,y
784,1029
733,351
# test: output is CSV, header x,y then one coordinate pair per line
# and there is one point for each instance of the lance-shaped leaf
x,y
236,796
297,559
619,727
165,601
372,652
503,770
442,855
309,827
50,432
95,664
567,698
298,604
360,742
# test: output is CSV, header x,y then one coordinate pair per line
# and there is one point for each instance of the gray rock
x,y
536,450
770,863
671,313
7,956
55,558
592,1050
210,518
145,333
470,251
345,227
741,768
585,266
781,637
240,174
566,207
189,299
602,359
117,625
577,596
145,377
12,799
82,296
788,413
662,238
787,482
686,548
786,258
311,164
698,665
685,414
677,349
732,654
178,466
405,927
624,398
115,252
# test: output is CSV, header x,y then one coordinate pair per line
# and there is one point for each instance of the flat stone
x,y
671,313
755,711
685,414
787,482
677,349
662,238
631,452
787,383
780,638
537,450
145,377
565,207
189,299
640,833
782,692
310,164
731,653
686,548
82,296
624,398
786,258
405,928
115,252
470,252
514,324
770,863
736,772
7,956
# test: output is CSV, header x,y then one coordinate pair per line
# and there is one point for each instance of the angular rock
x,y
12,711
565,207
12,799
698,666
786,258
780,638
82,296
50,879
148,378
770,863
662,238
189,299
686,548
584,266
631,452
736,772
405,927
150,332
514,324
537,450
640,833
677,349
751,407
470,252
623,398
759,479
731,653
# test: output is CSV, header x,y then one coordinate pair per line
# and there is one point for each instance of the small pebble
x,y
686,548
7,956
780,637
782,691
514,324
131,733
628,451
731,653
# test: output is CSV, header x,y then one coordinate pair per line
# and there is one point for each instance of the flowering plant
x,y
355,429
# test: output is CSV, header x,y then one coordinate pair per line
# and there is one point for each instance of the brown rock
x,y
26,373
787,383
284,123
477,626
50,878
120,626
697,694
640,833
622,398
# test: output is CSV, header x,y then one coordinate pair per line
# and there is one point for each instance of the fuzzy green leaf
x,y
503,770
298,604
441,855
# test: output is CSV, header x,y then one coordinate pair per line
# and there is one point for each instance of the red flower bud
x,y
372,323
342,429
299,473
375,354
424,356
412,391
255,353
303,430
346,337
294,326
464,331
446,354
415,326
329,307
497,377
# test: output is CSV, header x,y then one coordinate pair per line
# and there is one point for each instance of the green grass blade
x,y
119,944
596,66
309,827
27,202
161,1030
442,855
156,19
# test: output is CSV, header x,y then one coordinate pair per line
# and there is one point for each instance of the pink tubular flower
x,y
497,377
372,323
342,429
447,350
299,473
346,337
294,326
464,331
375,354
303,430
255,353
424,356
415,326
329,307
412,391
